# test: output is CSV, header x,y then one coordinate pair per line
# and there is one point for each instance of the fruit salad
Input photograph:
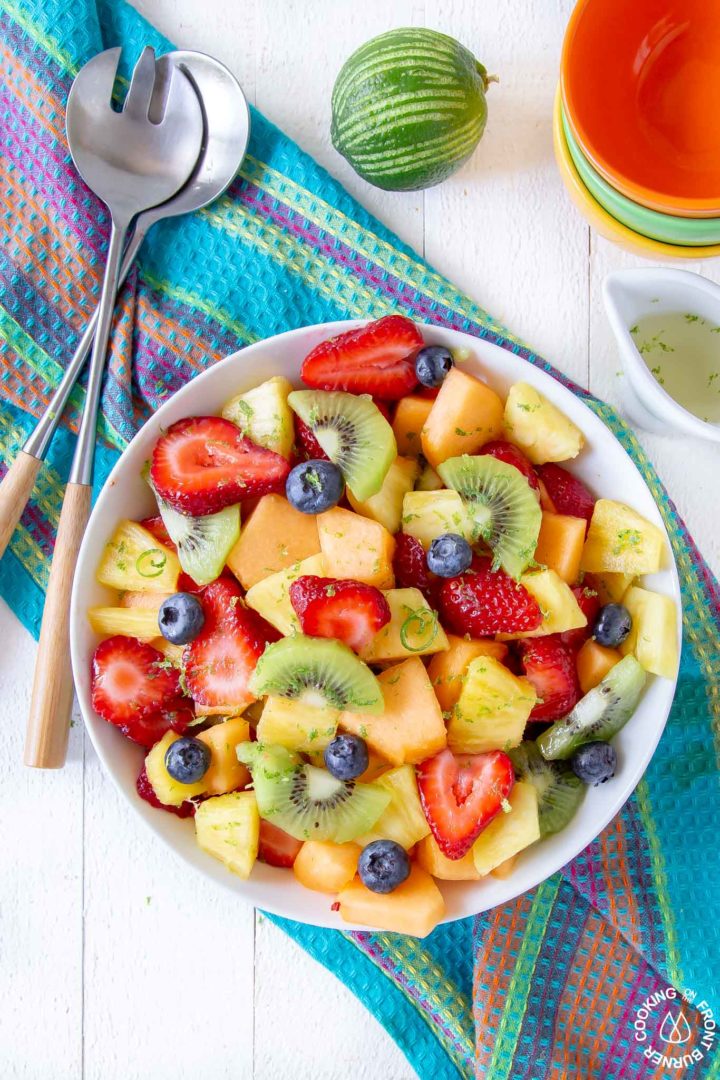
x,y
378,634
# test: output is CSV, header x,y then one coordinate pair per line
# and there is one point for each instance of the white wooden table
x,y
115,962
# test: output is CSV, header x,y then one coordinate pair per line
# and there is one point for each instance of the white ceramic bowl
x,y
603,465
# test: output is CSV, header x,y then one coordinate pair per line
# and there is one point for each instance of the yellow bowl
x,y
603,222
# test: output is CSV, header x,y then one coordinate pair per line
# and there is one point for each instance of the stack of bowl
x,y
637,123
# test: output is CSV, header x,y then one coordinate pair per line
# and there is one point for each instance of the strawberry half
x,y
145,790
568,494
134,688
220,660
156,526
376,359
509,453
205,463
410,568
276,847
309,443
549,664
483,602
589,603
347,610
461,795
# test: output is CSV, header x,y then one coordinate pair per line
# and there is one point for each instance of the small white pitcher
x,y
631,294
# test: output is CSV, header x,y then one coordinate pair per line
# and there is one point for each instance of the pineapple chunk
x,y
447,670
431,858
505,869
140,623
465,415
326,867
411,728
538,427
271,596
414,908
387,505
428,480
593,664
168,791
228,827
134,560
226,773
560,545
295,725
171,652
653,639
356,547
403,819
492,709
510,832
274,537
410,416
558,604
429,514
610,587
263,414
621,541
413,630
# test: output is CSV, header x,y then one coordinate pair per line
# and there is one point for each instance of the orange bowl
x,y
640,83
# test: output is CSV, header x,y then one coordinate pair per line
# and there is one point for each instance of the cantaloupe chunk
x,y
539,428
271,596
509,833
226,773
137,622
296,725
610,587
413,630
387,505
448,669
228,827
412,727
168,791
414,908
622,541
403,819
150,601
560,545
326,867
465,415
356,547
431,858
558,605
410,416
274,537
492,709
653,639
593,663
377,765
429,514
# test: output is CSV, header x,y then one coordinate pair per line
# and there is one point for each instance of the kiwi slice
x,y
308,802
502,504
559,790
353,433
203,543
318,671
599,715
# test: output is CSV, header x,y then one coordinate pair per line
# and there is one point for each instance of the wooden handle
x,y
49,720
15,489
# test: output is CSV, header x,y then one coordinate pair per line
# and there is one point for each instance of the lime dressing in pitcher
x,y
682,351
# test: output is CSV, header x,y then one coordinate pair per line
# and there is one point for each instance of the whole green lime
x,y
408,108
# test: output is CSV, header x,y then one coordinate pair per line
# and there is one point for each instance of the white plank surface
x,y
114,962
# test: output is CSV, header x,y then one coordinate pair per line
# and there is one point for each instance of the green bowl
x,y
690,232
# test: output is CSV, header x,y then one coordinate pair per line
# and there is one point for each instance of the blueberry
x,y
594,763
187,760
383,866
612,625
346,757
181,618
432,364
449,555
314,486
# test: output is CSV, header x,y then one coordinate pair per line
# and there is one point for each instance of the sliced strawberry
x,y
376,359
277,848
461,795
410,568
156,526
484,601
309,443
145,790
507,452
546,502
220,660
589,603
384,409
549,664
568,494
428,392
347,610
135,688
205,463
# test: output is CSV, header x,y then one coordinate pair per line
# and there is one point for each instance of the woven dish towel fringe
x,y
550,984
